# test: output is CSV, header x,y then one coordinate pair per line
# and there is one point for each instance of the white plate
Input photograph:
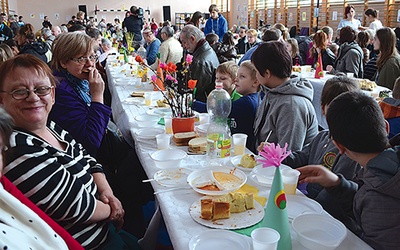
x,y
218,239
203,127
236,221
264,176
204,176
161,112
149,133
236,161
300,204
132,100
172,177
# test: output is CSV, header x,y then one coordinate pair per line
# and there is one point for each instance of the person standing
x,y
216,23
372,17
46,23
134,24
349,20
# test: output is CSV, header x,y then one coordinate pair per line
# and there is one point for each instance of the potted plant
x,y
179,91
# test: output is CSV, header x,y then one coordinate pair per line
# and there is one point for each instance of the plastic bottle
x,y
141,52
218,133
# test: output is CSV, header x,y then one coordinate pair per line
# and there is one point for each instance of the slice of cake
x,y
249,200
221,210
206,209
248,161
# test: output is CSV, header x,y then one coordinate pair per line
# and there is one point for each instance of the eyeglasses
x,y
82,60
20,94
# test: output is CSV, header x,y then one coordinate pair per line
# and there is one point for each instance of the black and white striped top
x,y
59,182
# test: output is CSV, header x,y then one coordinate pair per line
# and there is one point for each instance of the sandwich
x,y
137,94
198,145
183,138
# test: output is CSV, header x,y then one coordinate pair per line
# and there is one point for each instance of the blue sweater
x,y
242,116
151,51
218,26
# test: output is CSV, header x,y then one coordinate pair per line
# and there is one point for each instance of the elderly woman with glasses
x,y
52,169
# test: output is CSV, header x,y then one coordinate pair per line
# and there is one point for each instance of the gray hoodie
x,y
287,111
350,59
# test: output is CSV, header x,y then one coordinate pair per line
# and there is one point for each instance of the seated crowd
x,y
60,172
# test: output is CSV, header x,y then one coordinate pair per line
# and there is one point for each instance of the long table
x,y
173,205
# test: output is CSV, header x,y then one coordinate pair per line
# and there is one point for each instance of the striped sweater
x,y
58,182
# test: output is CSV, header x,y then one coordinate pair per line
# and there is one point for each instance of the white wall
x,y
33,12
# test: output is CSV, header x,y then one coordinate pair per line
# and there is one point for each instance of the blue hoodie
x,y
218,26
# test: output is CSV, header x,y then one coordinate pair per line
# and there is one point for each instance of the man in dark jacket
x,y
134,23
5,32
205,61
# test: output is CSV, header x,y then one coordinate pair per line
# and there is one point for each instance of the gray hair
x,y
46,32
106,41
371,33
328,30
191,30
64,29
167,30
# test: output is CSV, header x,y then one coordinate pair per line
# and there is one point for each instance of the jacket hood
x,y
348,46
38,47
294,86
388,181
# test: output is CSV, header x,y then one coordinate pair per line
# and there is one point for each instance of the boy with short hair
x,y
216,23
358,129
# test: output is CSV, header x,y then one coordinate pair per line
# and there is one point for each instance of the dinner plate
x,y
160,112
236,161
149,133
300,204
132,100
172,177
203,177
264,176
218,239
236,221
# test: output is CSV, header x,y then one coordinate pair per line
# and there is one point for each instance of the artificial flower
x,y
273,154
192,84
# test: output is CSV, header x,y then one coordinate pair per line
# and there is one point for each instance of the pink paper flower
x,y
273,155
154,78
189,59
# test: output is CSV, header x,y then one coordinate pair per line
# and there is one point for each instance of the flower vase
x,y
276,216
183,124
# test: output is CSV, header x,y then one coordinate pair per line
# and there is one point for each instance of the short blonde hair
x,y
230,68
248,65
70,45
253,32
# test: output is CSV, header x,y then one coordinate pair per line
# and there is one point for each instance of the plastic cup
x,y
204,118
168,124
290,178
148,98
350,75
307,68
265,238
239,143
163,141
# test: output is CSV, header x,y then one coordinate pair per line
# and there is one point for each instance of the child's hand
x,y
261,146
329,68
318,174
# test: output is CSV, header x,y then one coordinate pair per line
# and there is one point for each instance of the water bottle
x,y
141,52
218,133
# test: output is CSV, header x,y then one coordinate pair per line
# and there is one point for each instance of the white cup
x,y
168,124
148,98
265,238
350,75
290,178
163,141
204,118
239,143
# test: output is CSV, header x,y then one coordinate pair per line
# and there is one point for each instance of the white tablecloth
x,y
175,204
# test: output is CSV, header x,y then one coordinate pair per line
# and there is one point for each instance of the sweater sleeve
x,y
208,26
71,242
86,124
389,73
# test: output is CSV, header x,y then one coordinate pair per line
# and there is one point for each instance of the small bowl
x,y
264,176
168,158
317,231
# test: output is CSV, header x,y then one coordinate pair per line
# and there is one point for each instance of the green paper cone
x,y
276,214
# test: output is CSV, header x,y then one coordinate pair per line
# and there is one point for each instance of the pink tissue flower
x,y
154,78
189,59
273,154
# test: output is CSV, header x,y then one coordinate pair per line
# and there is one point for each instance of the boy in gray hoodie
x,y
286,108
358,129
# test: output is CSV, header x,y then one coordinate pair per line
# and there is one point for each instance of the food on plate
x,y
210,187
221,207
198,145
221,210
296,68
183,138
248,161
366,84
161,103
227,180
137,94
